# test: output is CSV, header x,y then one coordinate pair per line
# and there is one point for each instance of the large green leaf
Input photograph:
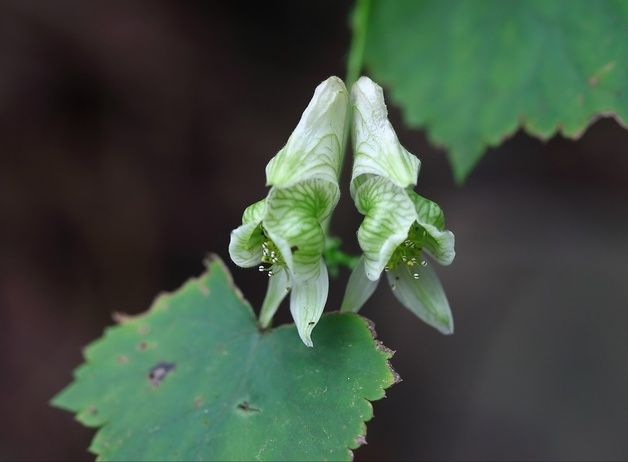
x,y
472,72
195,379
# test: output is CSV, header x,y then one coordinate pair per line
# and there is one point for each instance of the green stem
x,y
359,24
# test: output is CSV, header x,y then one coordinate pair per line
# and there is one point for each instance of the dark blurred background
x,y
133,134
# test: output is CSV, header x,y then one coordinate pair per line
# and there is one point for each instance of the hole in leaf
x,y
244,406
159,372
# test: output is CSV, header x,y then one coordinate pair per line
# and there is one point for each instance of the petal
x,y
389,214
438,242
278,288
314,148
254,213
359,289
375,143
245,247
307,302
424,296
293,221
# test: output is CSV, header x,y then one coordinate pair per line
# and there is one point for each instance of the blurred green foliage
x,y
472,72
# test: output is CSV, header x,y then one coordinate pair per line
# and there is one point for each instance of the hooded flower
x,y
283,234
399,225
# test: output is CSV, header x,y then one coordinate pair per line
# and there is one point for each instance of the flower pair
x,y
285,233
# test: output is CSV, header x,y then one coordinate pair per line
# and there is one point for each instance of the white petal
x,y
359,289
278,288
438,242
388,216
314,148
245,246
376,146
440,245
254,212
307,302
293,221
424,296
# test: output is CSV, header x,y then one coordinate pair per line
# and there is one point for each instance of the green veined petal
x,y
388,215
438,242
359,289
424,296
245,246
278,288
376,146
254,213
314,148
307,302
293,221
428,212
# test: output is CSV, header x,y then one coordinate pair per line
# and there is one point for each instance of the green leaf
x,y
472,73
195,379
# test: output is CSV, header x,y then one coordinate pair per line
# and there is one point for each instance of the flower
x,y
399,225
284,234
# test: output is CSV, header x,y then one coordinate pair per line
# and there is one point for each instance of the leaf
x,y
195,379
472,73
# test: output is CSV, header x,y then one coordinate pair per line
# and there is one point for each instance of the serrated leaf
x,y
195,379
471,73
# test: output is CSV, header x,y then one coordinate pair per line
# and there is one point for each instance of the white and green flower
x,y
284,234
399,225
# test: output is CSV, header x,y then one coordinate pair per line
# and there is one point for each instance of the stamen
x,y
271,258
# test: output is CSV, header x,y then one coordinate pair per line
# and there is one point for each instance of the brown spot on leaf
x,y
142,346
198,402
360,440
203,288
371,326
159,372
594,79
122,359
384,349
396,377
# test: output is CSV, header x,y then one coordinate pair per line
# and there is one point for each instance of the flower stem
x,y
359,24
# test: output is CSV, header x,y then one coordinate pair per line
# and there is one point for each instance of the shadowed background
x,y
132,136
